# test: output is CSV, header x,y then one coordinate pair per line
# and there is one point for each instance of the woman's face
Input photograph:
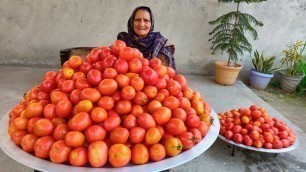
x,y
142,23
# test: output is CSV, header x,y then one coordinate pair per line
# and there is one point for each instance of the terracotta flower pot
x,y
226,75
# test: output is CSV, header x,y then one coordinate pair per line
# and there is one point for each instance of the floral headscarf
x,y
150,46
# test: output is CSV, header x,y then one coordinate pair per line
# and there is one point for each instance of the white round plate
x,y
30,160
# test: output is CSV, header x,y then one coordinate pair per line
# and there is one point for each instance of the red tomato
x,y
140,154
237,129
137,83
74,96
253,107
285,143
80,121
106,102
137,134
155,62
144,61
171,102
49,111
179,113
67,86
117,46
122,80
95,133
105,52
110,73
146,121
63,108
98,114
150,91
192,121
175,126
119,155
42,146
48,85
123,107
82,83
129,121
173,146
94,77
161,83
149,76
27,142
254,135
57,96
268,137
135,65
59,152
157,152
171,72
187,139
111,122
90,94
162,115
153,136
33,110
20,123
97,154
60,131
121,66
140,98
247,140
203,128
268,145
283,134
43,127
257,144
78,75
174,87
237,138
119,135
161,70
128,93
126,53
182,80
108,87
99,66
74,139
31,123
94,55
256,114
50,75
137,110
78,157
109,61
85,67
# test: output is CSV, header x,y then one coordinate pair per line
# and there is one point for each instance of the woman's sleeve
x,y
166,56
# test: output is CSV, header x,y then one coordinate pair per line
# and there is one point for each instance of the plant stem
x,y
235,26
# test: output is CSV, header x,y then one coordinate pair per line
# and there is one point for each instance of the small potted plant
x,y
262,71
229,35
292,76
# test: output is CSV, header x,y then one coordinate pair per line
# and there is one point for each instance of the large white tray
x,y
29,160
290,148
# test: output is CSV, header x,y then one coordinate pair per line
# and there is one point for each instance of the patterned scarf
x,y
150,46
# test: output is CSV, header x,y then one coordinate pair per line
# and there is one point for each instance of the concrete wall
x,y
33,31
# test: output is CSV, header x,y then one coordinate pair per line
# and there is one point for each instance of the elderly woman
x,y
141,36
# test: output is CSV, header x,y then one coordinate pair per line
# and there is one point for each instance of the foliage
x,y
293,58
301,88
263,64
229,34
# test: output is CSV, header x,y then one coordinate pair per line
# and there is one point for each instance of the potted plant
x,y
292,76
229,36
262,71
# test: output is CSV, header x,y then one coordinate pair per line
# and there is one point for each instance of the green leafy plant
x,y
229,34
293,58
263,64
301,88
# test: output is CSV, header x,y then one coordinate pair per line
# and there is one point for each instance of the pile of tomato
x,y
254,127
113,106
